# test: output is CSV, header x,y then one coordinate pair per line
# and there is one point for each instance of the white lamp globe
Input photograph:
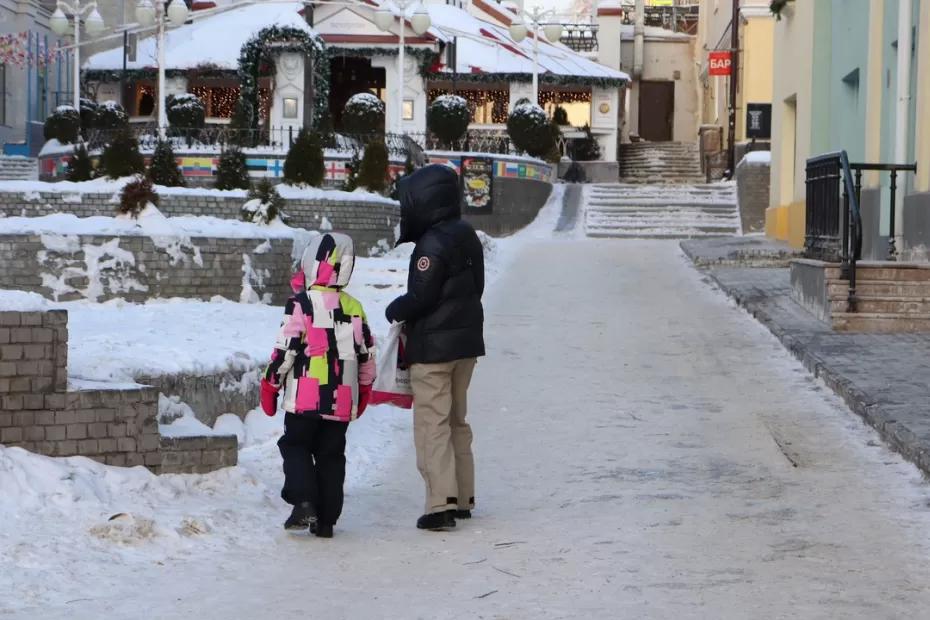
x,y
420,22
518,31
553,32
145,13
177,12
384,18
59,21
94,23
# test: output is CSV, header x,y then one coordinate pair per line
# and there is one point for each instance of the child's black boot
x,y
303,517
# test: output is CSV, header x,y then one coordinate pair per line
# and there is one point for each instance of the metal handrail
x,y
894,169
852,217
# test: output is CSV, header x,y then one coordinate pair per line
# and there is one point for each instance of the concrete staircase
x,y
15,168
631,211
660,162
890,297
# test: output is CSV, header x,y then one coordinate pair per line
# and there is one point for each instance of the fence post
x,y
892,249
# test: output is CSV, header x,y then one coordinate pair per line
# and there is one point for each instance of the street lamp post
x,y
92,22
420,22
159,15
519,31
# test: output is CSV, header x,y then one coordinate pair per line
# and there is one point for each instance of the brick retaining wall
x,y
371,224
136,269
116,427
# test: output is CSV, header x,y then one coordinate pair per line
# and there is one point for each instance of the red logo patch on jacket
x,y
423,264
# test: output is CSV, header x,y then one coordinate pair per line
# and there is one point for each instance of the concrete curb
x,y
898,436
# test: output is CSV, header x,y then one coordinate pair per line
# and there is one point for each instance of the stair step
x,y
880,322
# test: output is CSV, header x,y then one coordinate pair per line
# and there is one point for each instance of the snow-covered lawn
x,y
62,519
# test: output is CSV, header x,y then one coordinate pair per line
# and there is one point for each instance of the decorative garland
x,y
256,59
113,75
544,78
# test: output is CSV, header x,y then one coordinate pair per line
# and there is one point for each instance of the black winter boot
x,y
323,531
436,521
461,514
303,517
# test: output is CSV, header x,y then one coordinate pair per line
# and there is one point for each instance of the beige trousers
x,y
441,434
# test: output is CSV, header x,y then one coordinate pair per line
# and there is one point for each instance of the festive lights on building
x,y
486,106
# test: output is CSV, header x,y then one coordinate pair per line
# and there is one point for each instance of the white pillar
x,y
162,95
77,61
903,108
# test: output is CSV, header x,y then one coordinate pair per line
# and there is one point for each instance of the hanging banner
x,y
477,178
720,63
759,121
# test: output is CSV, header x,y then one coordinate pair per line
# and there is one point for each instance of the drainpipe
x,y
639,32
903,107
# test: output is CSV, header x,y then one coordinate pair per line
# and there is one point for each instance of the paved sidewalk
x,y
885,378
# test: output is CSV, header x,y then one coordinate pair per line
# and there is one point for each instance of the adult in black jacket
x,y
444,325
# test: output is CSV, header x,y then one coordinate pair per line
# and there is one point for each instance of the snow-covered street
x,y
645,450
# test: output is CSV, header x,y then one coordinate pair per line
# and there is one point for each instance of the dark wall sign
x,y
759,121
477,182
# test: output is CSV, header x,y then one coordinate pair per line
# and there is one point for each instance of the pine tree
x,y
121,158
80,168
164,167
304,164
373,173
232,172
353,166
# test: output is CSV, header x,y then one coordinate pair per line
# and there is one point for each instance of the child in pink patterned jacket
x,y
323,359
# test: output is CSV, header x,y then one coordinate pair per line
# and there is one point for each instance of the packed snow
x,y
758,157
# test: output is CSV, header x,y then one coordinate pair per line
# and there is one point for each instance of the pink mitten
x,y
269,398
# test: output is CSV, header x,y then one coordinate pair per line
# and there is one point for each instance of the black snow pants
x,y
314,456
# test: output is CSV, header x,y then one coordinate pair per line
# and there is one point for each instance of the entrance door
x,y
656,110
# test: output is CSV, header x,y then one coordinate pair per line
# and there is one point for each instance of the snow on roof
x,y
486,47
653,32
210,41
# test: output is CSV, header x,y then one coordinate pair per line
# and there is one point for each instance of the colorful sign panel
x,y
477,182
720,63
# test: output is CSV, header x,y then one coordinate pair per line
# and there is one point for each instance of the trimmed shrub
x,y
264,205
121,157
529,130
231,172
88,111
364,114
585,149
111,115
136,195
373,173
164,167
185,111
304,164
448,117
80,168
64,125
560,116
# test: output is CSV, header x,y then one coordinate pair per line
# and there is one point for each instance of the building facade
x,y
838,86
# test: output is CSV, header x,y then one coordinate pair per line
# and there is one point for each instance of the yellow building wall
x,y
792,50
756,79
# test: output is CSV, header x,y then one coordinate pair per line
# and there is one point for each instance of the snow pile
x,y
21,301
758,158
451,103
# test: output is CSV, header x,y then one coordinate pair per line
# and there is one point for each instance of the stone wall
x,y
137,268
752,191
371,224
212,395
116,427
916,228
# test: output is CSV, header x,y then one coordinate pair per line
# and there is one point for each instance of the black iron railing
x,y
893,170
833,216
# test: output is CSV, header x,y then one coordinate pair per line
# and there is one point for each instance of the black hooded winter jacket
x,y
442,307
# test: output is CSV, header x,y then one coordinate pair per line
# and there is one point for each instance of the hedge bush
x,y
373,173
121,157
363,114
64,125
448,118
305,164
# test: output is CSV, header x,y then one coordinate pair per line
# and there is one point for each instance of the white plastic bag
x,y
392,386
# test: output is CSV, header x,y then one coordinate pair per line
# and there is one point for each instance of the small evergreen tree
x,y
232,172
63,125
305,164
185,111
353,167
241,130
80,168
264,204
408,170
554,154
373,173
164,167
560,116
121,157
136,195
